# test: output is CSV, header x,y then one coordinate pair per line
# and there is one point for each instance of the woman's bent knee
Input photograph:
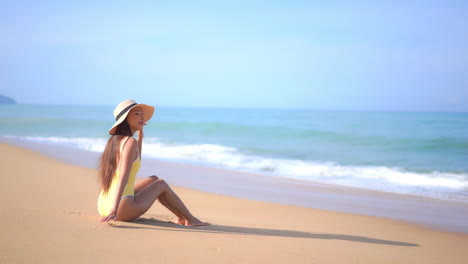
x,y
154,177
161,181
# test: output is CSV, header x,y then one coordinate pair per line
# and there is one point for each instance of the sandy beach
x,y
50,216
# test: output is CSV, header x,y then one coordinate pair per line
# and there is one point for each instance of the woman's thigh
x,y
128,210
140,185
133,207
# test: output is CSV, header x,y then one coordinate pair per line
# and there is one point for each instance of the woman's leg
x,y
140,185
130,209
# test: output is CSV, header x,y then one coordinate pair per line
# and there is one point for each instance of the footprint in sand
x,y
72,212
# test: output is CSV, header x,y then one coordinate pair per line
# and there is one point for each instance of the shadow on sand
x,y
151,223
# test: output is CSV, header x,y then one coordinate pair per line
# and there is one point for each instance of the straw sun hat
x,y
122,110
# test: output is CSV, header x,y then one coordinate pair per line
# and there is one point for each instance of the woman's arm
x,y
140,140
128,155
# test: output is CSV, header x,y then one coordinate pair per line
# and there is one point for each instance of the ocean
x,y
416,153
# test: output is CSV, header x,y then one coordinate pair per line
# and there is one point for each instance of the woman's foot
x,y
181,221
195,222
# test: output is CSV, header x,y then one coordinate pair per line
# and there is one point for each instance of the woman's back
x,y
106,199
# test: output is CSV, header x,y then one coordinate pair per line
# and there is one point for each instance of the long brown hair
x,y
109,159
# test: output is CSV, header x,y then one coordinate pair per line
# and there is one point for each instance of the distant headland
x,y
6,100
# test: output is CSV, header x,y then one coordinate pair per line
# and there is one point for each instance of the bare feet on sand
x,y
193,222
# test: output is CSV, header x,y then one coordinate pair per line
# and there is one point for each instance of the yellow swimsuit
x,y
106,201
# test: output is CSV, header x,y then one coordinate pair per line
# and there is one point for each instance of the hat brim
x,y
147,110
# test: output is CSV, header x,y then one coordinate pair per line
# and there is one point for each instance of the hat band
x,y
123,111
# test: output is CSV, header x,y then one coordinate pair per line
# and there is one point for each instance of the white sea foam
x,y
434,184
89,144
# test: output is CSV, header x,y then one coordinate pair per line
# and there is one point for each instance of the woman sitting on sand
x,y
121,199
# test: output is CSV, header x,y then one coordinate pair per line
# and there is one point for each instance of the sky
x,y
334,55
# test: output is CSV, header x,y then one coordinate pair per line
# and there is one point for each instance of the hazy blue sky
x,y
365,55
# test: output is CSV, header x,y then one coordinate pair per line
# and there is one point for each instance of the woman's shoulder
x,y
129,145
129,139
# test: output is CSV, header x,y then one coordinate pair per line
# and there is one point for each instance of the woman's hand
x,y
140,133
140,139
112,216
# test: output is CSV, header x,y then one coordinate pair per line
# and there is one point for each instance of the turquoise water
x,y
413,153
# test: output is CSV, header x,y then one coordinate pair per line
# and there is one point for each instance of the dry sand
x,y
49,215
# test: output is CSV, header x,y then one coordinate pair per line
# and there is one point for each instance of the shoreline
x,y
440,185
428,212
